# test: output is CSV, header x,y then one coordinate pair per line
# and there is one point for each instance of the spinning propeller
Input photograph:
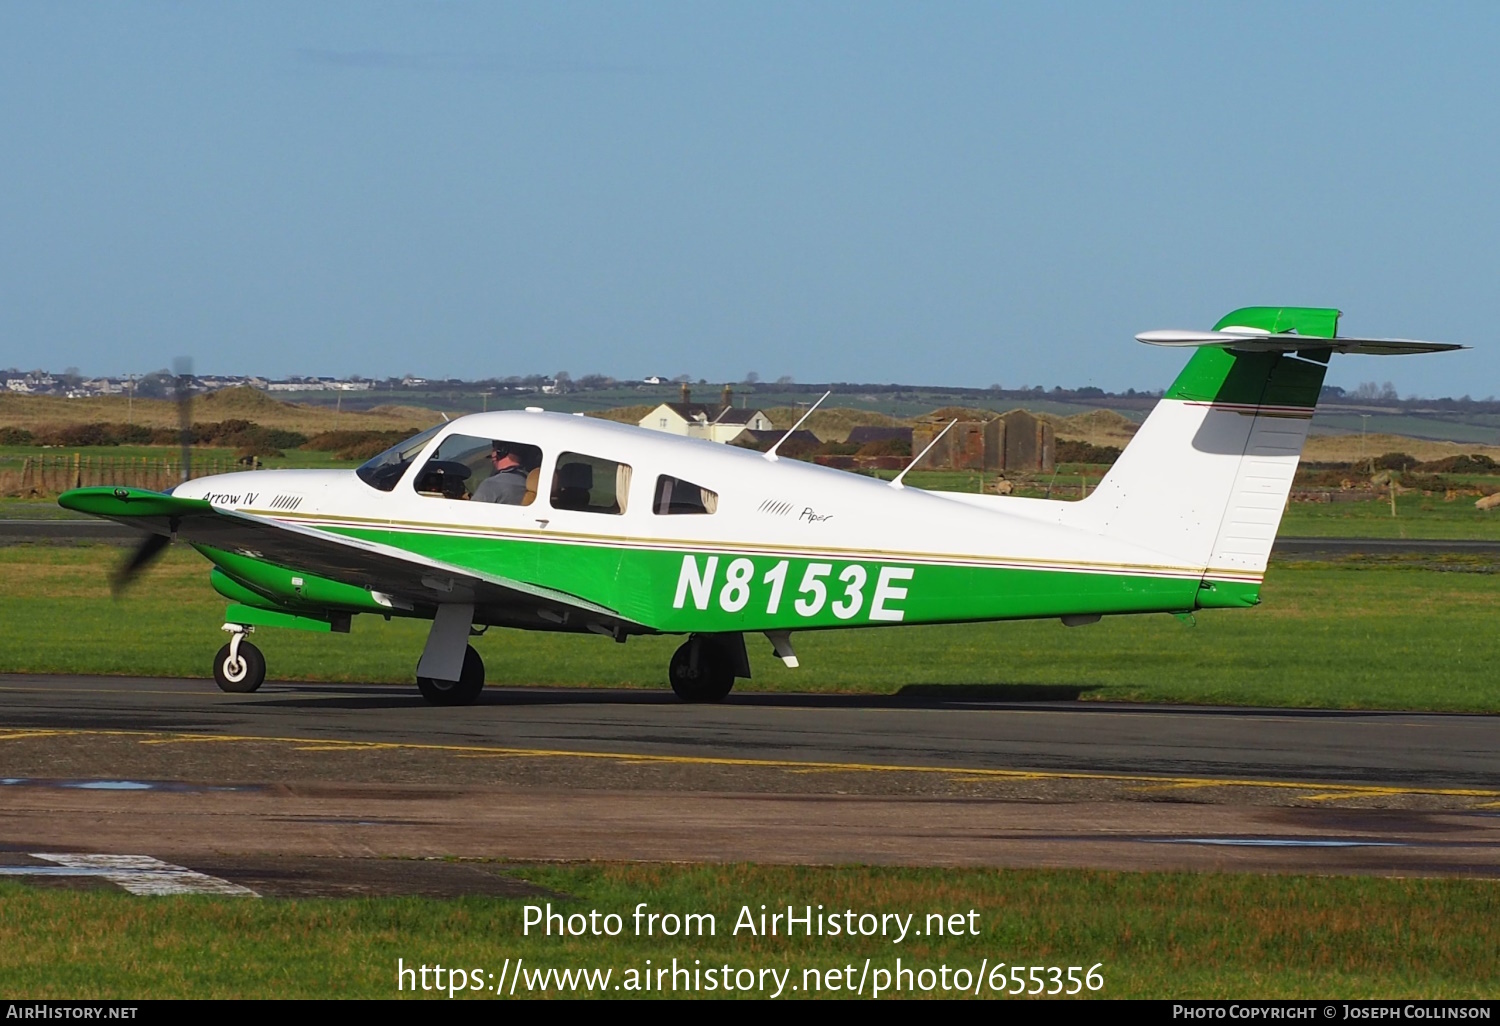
x,y
154,544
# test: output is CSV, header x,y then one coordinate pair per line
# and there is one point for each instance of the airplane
x,y
621,531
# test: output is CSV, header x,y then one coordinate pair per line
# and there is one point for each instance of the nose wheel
x,y
239,667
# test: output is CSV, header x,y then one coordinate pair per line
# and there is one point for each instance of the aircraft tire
x,y
714,677
243,675
464,691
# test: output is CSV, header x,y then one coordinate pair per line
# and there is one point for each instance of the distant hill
x,y
831,425
243,403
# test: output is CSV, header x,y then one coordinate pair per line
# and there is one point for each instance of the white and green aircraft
x,y
544,521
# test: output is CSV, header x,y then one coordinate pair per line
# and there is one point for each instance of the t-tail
x,y
1206,478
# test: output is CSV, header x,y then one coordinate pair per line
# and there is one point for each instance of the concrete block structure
x,y
1016,442
1030,444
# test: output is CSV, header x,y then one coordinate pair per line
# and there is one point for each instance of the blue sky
x,y
936,193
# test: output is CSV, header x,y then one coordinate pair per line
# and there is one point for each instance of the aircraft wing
x,y
390,571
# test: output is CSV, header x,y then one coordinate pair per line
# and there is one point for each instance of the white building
x,y
722,423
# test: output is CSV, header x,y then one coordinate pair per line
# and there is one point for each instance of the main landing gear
x,y
239,667
702,670
463,691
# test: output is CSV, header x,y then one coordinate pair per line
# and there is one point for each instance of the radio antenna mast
x,y
771,452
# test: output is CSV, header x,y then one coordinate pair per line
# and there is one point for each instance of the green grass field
x,y
1151,935
1417,516
204,457
1393,634
1387,635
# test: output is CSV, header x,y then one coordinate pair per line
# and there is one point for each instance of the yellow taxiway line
x,y
1323,791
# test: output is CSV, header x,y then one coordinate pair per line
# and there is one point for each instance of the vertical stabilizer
x,y
1206,478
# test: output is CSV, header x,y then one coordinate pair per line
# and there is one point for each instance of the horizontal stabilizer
x,y
1250,340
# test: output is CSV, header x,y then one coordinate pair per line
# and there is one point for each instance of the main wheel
x,y
463,691
706,678
242,674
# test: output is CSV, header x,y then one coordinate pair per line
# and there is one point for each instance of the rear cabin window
x,y
482,469
675,496
590,484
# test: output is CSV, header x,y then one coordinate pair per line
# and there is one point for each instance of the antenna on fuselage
x,y
771,452
897,482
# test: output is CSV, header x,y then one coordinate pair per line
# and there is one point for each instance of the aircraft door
x,y
484,490
589,496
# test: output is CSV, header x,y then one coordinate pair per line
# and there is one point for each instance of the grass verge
x,y
1156,935
1417,516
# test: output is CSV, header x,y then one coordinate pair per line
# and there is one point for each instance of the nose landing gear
x,y
239,667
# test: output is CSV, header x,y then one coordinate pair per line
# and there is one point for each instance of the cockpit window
x,y
675,496
385,470
482,469
590,484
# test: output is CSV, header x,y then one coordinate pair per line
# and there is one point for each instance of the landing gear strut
x,y
239,667
463,691
702,670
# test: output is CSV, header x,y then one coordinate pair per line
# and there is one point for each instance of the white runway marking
x,y
138,874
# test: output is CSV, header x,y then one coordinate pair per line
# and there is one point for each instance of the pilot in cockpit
x,y
513,482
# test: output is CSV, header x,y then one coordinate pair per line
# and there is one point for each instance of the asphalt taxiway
x,y
254,786
1375,748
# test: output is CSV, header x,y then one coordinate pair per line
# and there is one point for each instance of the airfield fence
x,y
48,475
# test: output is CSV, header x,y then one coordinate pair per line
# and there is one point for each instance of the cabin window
x,y
483,469
675,496
386,469
590,484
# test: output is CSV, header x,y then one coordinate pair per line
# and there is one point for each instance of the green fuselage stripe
x,y
681,591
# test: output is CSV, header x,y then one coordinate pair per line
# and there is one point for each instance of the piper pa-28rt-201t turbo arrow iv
x,y
543,521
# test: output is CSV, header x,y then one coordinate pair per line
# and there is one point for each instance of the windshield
x,y
385,470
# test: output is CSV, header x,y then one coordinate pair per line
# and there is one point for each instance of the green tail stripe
x,y
1317,322
1260,379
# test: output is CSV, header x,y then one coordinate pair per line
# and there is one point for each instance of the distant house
x,y
721,423
654,379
